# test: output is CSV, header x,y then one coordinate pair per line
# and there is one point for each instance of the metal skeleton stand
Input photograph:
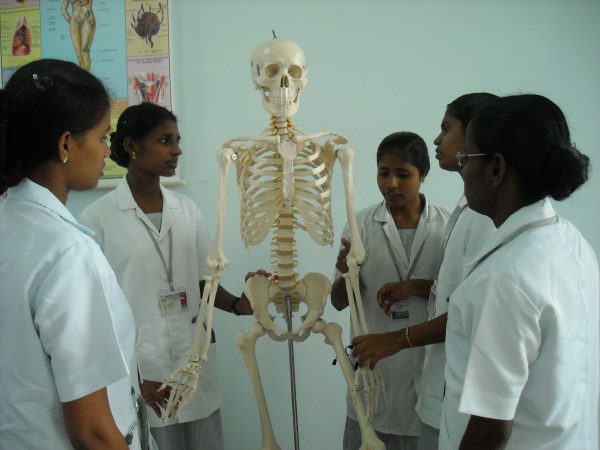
x,y
288,310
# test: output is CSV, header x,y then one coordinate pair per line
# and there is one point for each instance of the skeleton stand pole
x,y
288,310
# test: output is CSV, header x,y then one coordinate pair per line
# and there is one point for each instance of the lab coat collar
x,y
462,201
35,193
126,201
404,265
539,210
383,215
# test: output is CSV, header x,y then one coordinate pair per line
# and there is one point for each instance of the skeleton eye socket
x,y
295,72
271,70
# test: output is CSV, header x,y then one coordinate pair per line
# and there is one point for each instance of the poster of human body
x,y
125,43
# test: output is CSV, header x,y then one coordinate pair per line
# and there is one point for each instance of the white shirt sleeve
x,y
75,324
505,339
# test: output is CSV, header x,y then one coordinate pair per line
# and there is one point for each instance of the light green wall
x,y
375,67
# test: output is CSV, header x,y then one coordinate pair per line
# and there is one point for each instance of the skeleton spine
x,y
283,252
284,244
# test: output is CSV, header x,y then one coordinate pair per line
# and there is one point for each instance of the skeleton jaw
x,y
280,102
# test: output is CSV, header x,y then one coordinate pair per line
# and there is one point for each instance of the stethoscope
x,y
136,423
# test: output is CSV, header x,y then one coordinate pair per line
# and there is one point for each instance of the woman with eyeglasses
x,y
464,235
522,334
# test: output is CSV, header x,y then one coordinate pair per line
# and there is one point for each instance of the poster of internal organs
x,y
125,43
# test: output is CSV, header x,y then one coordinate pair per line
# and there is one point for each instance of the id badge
x,y
172,301
399,311
431,301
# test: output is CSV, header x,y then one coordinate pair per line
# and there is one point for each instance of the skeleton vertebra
x,y
285,178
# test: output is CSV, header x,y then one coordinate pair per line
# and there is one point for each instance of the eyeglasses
x,y
463,158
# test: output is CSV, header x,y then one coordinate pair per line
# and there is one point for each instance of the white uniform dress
x,y
522,337
66,329
386,261
465,235
163,342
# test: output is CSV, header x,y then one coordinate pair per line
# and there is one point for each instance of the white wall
x,y
375,67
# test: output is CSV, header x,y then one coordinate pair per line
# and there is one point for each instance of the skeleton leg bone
x,y
333,336
247,344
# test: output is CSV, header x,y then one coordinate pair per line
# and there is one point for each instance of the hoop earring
x,y
65,160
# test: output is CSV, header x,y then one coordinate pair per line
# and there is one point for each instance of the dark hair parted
x,y
42,100
136,122
466,106
532,134
409,146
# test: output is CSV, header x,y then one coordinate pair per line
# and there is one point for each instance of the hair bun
x,y
563,170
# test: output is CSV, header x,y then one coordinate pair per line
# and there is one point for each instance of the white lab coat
x,y
522,337
163,343
465,235
401,372
66,329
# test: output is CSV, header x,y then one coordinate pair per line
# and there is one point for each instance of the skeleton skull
x,y
279,71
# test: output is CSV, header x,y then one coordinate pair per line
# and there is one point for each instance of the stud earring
x,y
132,155
65,160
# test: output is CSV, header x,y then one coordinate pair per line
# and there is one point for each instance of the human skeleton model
x,y
285,178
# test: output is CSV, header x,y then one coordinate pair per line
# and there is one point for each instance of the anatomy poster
x,y
125,43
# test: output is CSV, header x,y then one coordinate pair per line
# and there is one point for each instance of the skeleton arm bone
x,y
184,381
356,254
370,380
217,258
357,251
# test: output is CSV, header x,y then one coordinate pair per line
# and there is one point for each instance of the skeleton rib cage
x,y
263,206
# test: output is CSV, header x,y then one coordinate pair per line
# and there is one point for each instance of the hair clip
x,y
43,82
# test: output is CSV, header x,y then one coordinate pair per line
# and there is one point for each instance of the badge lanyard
x,y
400,310
393,254
169,269
537,223
451,223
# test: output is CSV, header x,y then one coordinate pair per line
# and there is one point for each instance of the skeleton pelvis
x,y
312,290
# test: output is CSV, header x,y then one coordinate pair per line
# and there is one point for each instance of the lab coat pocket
x,y
149,352
182,331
